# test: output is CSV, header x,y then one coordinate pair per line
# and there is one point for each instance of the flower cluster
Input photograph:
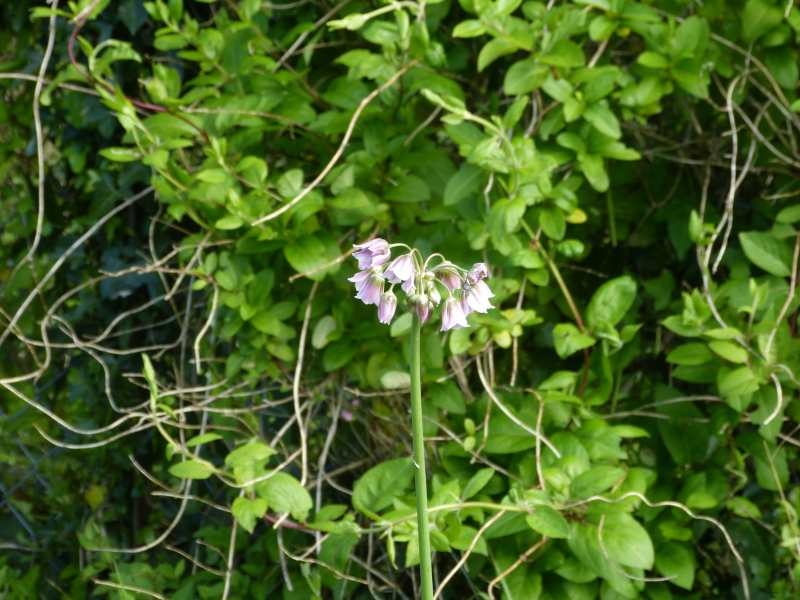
x,y
466,291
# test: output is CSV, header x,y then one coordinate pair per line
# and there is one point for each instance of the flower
x,y
401,269
475,298
423,307
372,253
453,316
360,278
371,289
449,277
386,307
476,273
408,286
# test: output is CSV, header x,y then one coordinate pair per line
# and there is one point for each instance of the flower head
x,y
475,298
477,273
453,316
372,253
386,307
401,269
371,289
449,277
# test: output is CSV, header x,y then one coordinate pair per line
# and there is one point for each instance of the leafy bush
x,y
188,186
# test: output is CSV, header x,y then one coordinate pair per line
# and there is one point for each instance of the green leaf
x,y
447,396
310,252
782,66
603,119
506,437
468,29
493,50
602,27
744,508
790,214
463,184
525,76
627,542
190,469
690,354
249,512
249,453
630,431
653,60
687,37
401,325
676,561
594,168
568,339
553,223
259,288
767,252
611,301
477,482
767,466
596,481
202,439
396,380
409,189
738,382
729,351
564,53
684,437
324,327
284,493
338,354
548,522
376,488
758,17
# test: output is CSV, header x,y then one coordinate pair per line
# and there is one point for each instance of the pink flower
x,y
453,316
371,289
476,273
475,298
386,308
449,277
360,278
401,269
372,253
424,308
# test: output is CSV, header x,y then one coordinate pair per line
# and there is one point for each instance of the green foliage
x,y
623,426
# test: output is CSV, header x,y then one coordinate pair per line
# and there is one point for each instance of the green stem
x,y
425,570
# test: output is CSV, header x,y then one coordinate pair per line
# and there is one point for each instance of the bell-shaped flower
x,y
477,273
423,307
360,278
475,298
401,269
372,253
453,316
386,307
372,289
449,277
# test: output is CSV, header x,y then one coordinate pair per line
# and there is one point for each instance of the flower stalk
x,y
420,472
466,293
